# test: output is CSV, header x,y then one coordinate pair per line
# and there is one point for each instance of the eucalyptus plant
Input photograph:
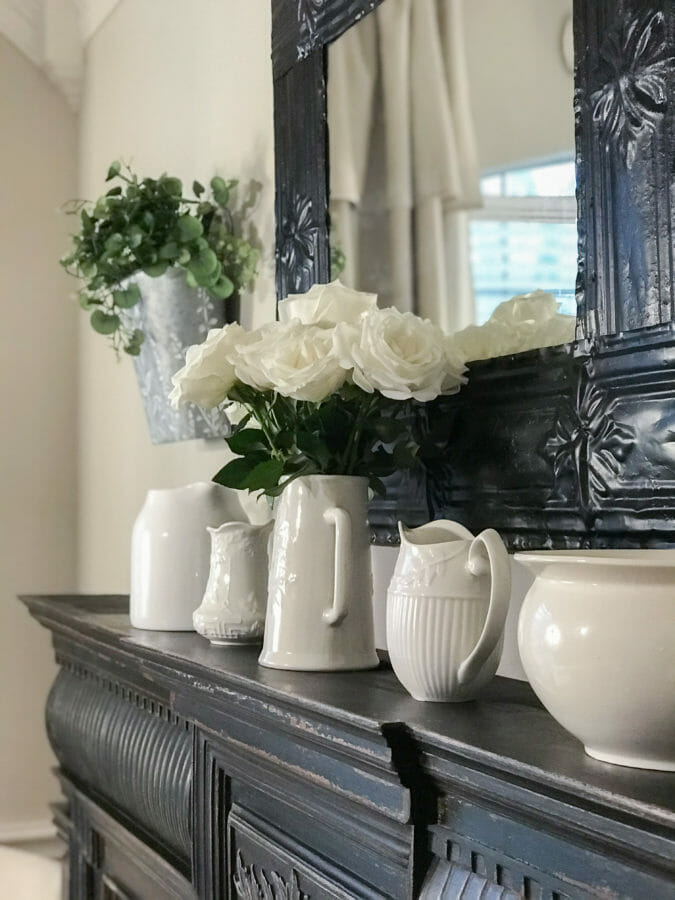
x,y
147,225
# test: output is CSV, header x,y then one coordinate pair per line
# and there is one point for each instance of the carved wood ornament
x,y
562,447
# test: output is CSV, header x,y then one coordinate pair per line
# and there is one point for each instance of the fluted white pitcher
x,y
446,609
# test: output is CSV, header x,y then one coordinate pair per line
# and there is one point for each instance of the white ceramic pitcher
x,y
319,606
170,552
446,609
233,608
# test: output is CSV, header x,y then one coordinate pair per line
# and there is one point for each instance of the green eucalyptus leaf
x,y
203,265
125,299
100,210
172,186
136,236
114,170
188,227
220,190
169,251
154,270
104,323
222,288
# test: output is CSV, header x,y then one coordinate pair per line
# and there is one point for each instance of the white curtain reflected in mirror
x,y
451,156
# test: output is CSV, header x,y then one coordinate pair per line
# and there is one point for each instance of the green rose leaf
x,y
378,486
246,440
104,323
197,189
264,476
236,471
387,429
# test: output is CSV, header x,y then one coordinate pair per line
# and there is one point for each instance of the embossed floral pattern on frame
x,y
634,97
297,240
588,444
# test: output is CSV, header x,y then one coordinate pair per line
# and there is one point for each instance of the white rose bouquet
x,y
324,390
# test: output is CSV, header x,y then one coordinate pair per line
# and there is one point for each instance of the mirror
x,y
451,147
552,447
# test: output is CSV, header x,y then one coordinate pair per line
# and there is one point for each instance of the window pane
x,y
550,180
510,258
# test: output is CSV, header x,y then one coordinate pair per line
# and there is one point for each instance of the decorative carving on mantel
x,y
633,100
255,884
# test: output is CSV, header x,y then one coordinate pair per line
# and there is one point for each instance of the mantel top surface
x,y
505,731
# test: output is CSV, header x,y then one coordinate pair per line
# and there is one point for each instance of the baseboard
x,y
36,836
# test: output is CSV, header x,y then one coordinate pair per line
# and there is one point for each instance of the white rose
x,y
208,373
296,360
400,355
522,323
326,304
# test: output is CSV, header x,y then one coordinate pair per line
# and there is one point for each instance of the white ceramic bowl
x,y
596,636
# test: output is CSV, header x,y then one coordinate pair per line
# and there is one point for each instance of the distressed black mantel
x,y
191,771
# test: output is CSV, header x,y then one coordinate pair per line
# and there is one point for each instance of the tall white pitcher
x,y
319,605
446,609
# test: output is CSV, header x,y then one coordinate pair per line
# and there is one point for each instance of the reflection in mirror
x,y
452,165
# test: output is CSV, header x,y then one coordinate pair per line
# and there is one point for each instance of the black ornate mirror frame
x,y
571,446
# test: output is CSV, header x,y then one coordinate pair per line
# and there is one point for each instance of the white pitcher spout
x,y
437,532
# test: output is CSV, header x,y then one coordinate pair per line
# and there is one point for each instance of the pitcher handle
x,y
499,568
341,519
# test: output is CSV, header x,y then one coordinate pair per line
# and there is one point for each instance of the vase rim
x,y
645,558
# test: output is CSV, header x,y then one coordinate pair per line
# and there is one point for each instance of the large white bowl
x,y
596,636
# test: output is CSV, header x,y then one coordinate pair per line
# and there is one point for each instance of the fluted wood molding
x,y
137,761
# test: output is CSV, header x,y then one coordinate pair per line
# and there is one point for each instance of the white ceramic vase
x,y
170,552
446,609
319,606
596,635
233,608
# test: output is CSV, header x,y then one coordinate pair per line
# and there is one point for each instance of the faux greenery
x,y
147,225
349,433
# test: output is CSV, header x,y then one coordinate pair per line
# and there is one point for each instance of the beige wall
x,y
38,490
185,88
521,91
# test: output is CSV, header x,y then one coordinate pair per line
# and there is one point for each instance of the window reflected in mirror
x,y
451,163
